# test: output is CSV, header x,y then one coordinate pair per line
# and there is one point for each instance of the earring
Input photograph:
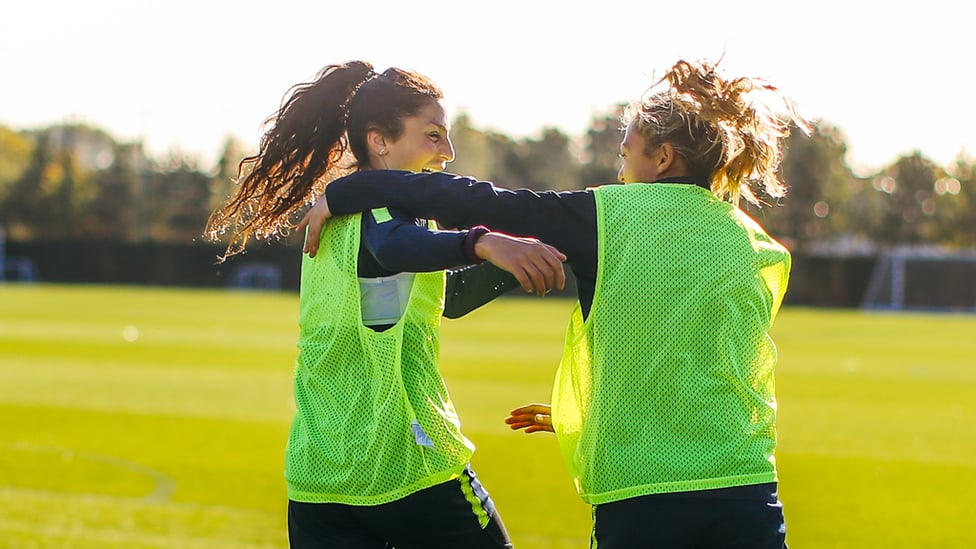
x,y
382,152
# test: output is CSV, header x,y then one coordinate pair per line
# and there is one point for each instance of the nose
x,y
447,150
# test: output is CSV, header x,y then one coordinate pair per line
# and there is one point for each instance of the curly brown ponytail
x,y
307,143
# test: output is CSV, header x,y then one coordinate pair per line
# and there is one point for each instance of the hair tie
x,y
370,74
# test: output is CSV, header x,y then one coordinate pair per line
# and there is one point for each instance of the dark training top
x,y
404,244
566,220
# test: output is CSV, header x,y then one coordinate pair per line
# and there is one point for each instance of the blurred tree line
x,y
76,182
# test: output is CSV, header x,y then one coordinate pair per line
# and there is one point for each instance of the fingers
x,y
524,280
531,417
538,267
313,220
553,270
311,242
536,280
531,424
538,270
314,225
561,257
531,427
555,260
550,264
543,270
515,425
532,409
302,224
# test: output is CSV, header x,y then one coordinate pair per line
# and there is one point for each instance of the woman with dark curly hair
x,y
375,457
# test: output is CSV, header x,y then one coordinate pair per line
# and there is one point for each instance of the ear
x,y
376,142
667,159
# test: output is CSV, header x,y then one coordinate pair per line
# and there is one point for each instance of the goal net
x,y
923,279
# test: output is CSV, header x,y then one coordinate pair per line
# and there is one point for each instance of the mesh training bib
x,y
374,420
668,384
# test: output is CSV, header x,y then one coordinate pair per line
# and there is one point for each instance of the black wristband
x,y
470,239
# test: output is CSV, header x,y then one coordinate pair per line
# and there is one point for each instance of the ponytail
x,y
723,128
306,140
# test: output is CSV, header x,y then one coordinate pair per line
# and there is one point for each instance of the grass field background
x,y
156,418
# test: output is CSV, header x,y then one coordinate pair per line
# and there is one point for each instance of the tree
x,y
955,198
15,155
549,163
472,150
28,202
906,190
601,147
507,165
819,183
180,197
114,212
226,172
544,163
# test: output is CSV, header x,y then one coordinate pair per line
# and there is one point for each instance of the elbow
x,y
452,314
390,258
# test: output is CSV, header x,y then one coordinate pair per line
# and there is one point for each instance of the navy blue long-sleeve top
x,y
398,242
565,220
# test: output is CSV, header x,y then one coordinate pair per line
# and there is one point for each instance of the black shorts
x,y
743,517
455,514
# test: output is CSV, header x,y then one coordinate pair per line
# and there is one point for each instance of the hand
x,y
531,417
314,219
537,266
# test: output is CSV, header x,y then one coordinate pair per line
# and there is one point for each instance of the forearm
x,y
565,220
471,287
397,244
424,252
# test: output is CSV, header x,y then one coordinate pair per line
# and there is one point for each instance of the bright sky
x,y
183,75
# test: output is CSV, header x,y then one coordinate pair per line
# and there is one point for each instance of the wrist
x,y
470,244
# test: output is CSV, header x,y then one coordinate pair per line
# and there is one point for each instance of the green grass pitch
x,y
144,418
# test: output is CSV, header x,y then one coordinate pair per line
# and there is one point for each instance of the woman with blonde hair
x,y
664,401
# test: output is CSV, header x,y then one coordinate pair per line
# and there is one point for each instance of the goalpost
x,y
916,278
3,255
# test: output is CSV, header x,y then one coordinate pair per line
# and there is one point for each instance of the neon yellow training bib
x,y
374,420
668,385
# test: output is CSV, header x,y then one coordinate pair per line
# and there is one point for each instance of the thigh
x,y
646,522
747,525
742,517
454,514
328,525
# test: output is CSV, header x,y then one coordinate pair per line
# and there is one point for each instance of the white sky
x,y
183,75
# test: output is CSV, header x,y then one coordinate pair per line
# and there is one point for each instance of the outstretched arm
x,y
566,220
400,243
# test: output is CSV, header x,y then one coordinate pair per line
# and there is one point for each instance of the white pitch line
x,y
163,488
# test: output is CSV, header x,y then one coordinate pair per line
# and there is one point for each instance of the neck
x,y
702,182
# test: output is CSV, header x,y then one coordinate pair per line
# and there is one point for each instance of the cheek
x,y
624,173
425,148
